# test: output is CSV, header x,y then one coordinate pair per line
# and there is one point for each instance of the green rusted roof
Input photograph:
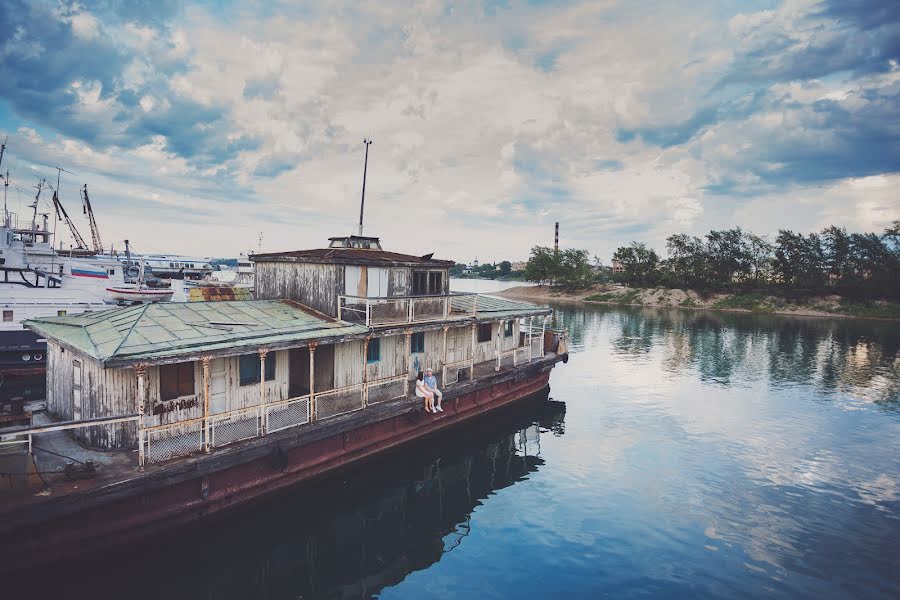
x,y
491,308
175,329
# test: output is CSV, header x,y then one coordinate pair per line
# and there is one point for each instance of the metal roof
x,y
361,256
177,329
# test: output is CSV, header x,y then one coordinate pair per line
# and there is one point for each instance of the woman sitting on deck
x,y
422,391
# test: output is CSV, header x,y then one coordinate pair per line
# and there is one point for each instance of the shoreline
x,y
543,293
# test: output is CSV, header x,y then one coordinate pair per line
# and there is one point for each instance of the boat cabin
x,y
332,331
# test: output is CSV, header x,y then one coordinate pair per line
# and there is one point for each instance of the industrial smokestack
x,y
556,238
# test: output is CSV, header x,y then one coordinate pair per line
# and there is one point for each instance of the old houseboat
x,y
161,414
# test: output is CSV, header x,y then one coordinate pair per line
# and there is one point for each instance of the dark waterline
x,y
685,454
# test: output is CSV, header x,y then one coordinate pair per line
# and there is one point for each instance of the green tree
x,y
575,269
505,267
542,265
639,262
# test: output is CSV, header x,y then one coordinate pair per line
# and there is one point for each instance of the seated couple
x,y
426,387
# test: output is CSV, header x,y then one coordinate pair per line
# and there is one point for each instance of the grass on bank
x,y
629,297
752,301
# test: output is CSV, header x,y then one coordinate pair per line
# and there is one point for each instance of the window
x,y
249,368
508,329
420,283
373,352
60,313
7,316
484,332
417,343
176,381
435,283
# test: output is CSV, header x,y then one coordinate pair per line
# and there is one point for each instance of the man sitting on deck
x,y
431,382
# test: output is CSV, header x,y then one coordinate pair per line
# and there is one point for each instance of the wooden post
x,y
365,373
262,388
543,333
408,335
141,399
530,338
444,354
472,358
205,362
312,383
497,346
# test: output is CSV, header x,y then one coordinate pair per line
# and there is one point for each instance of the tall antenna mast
x,y
362,203
89,211
3,149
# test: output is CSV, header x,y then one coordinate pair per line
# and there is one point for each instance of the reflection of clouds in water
x,y
755,412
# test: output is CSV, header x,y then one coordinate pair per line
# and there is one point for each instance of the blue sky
x,y
199,127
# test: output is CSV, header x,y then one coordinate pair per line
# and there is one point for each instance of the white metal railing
x,y
234,426
165,442
451,371
8,443
405,309
287,413
389,388
338,401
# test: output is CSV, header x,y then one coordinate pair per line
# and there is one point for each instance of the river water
x,y
681,454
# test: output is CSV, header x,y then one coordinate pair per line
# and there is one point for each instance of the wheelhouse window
x,y
373,351
420,283
508,329
417,343
484,332
60,313
249,368
435,283
7,316
176,381
427,283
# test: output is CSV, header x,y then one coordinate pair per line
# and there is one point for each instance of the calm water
x,y
683,454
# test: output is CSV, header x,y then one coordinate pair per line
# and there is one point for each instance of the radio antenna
x,y
362,202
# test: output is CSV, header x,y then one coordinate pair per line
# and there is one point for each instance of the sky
x,y
201,128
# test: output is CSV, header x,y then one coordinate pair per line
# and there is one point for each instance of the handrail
x,y
395,310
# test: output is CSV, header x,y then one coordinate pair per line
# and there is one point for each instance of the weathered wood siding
x,y
104,393
399,282
314,285
485,351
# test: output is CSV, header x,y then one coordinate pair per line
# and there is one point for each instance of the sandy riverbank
x,y
819,306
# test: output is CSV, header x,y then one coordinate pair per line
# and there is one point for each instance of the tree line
x,y
857,265
570,268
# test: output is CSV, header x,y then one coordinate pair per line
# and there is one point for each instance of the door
x,y
354,281
218,384
377,280
76,390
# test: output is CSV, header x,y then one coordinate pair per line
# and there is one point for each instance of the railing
x,y
235,426
8,441
287,414
387,389
339,401
398,310
173,440
451,371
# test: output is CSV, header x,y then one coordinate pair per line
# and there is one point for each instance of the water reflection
x,y
856,357
343,539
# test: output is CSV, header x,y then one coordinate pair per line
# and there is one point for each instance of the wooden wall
x,y
314,285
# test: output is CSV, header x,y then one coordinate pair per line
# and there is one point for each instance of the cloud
x,y
491,121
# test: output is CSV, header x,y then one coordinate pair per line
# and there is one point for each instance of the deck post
x,y
365,371
205,362
543,333
475,306
530,338
444,355
408,335
262,389
312,382
368,313
472,358
140,370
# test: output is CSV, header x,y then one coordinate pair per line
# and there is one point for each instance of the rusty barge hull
x,y
175,494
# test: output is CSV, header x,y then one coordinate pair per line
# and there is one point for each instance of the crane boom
x,y
95,232
62,214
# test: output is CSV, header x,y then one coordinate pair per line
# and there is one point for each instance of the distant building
x,y
519,265
617,267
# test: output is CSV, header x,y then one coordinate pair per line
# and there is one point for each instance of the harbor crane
x,y
61,213
95,232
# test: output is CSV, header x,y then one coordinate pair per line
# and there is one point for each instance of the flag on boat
x,y
84,271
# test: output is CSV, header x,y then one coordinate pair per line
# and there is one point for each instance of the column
x,y
140,370
497,346
365,372
444,354
205,362
472,361
543,333
312,382
262,385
